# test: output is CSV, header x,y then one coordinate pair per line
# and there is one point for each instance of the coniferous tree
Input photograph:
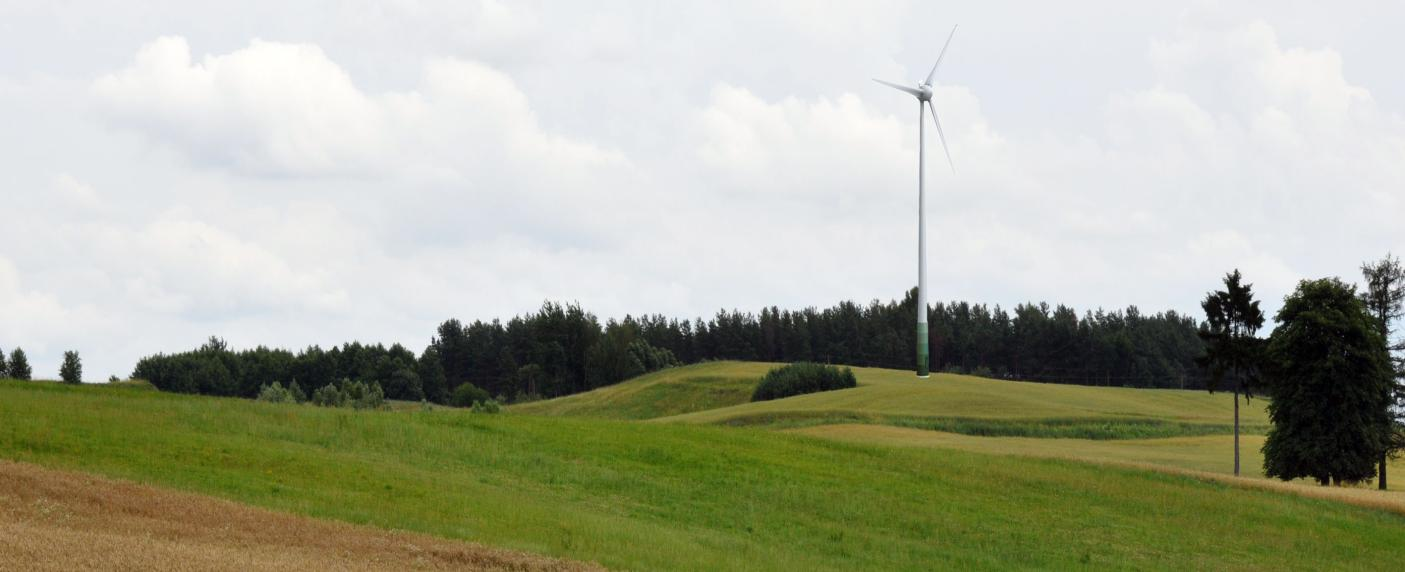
x,y
4,366
1331,381
19,365
72,369
432,378
1232,352
1384,298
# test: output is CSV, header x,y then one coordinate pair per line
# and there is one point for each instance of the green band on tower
x,y
922,367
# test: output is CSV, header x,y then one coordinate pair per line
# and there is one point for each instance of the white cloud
x,y
377,169
76,193
286,109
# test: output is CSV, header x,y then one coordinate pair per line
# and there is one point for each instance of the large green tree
x,y
4,367
1331,379
19,365
1232,352
1384,297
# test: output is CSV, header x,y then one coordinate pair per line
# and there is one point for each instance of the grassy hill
x,y
671,391
1180,429
886,392
719,393
682,496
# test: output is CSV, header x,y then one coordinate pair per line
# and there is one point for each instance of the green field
x,y
1177,429
685,496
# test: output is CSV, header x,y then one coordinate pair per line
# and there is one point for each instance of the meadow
x,y
691,496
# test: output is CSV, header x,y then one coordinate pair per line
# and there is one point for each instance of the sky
x,y
297,173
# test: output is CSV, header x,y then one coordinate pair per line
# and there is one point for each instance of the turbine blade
x,y
910,90
942,136
933,74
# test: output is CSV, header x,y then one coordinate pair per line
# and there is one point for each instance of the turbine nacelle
x,y
923,93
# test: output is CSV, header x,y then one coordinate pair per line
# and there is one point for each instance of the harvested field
x,y
57,520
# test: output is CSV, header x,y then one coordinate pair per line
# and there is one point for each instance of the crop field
x,y
668,496
62,521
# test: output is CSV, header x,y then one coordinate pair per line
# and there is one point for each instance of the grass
x,y
679,496
1203,454
884,392
671,391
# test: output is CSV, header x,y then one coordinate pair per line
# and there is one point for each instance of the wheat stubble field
x,y
59,520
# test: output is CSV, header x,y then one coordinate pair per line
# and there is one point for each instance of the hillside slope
x,y
673,391
898,393
682,497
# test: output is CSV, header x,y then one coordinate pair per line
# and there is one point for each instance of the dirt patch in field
x,y
57,520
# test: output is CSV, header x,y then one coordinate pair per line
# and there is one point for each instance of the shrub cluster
x,y
276,393
801,378
468,395
353,394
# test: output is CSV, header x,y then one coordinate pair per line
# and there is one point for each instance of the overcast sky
x,y
355,170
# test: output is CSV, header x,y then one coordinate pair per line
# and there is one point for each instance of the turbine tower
x,y
923,93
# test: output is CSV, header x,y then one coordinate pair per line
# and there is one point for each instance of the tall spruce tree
x,y
1331,379
1384,297
1232,352
19,365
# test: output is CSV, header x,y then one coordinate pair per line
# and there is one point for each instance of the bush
x,y
802,378
328,396
362,395
488,406
276,393
651,357
299,395
467,394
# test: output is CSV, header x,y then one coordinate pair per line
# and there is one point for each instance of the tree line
x,y
562,349
1032,342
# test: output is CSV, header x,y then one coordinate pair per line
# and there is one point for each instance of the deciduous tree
x,y
1331,380
72,369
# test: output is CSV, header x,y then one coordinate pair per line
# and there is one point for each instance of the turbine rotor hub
x,y
924,92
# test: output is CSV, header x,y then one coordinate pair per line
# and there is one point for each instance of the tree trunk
x,y
1381,482
1236,433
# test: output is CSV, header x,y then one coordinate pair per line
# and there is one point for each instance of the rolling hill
x,y
673,391
673,496
1172,429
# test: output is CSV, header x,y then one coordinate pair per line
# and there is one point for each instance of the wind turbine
x,y
923,93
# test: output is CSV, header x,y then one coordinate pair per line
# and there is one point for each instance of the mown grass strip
x,y
1098,429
